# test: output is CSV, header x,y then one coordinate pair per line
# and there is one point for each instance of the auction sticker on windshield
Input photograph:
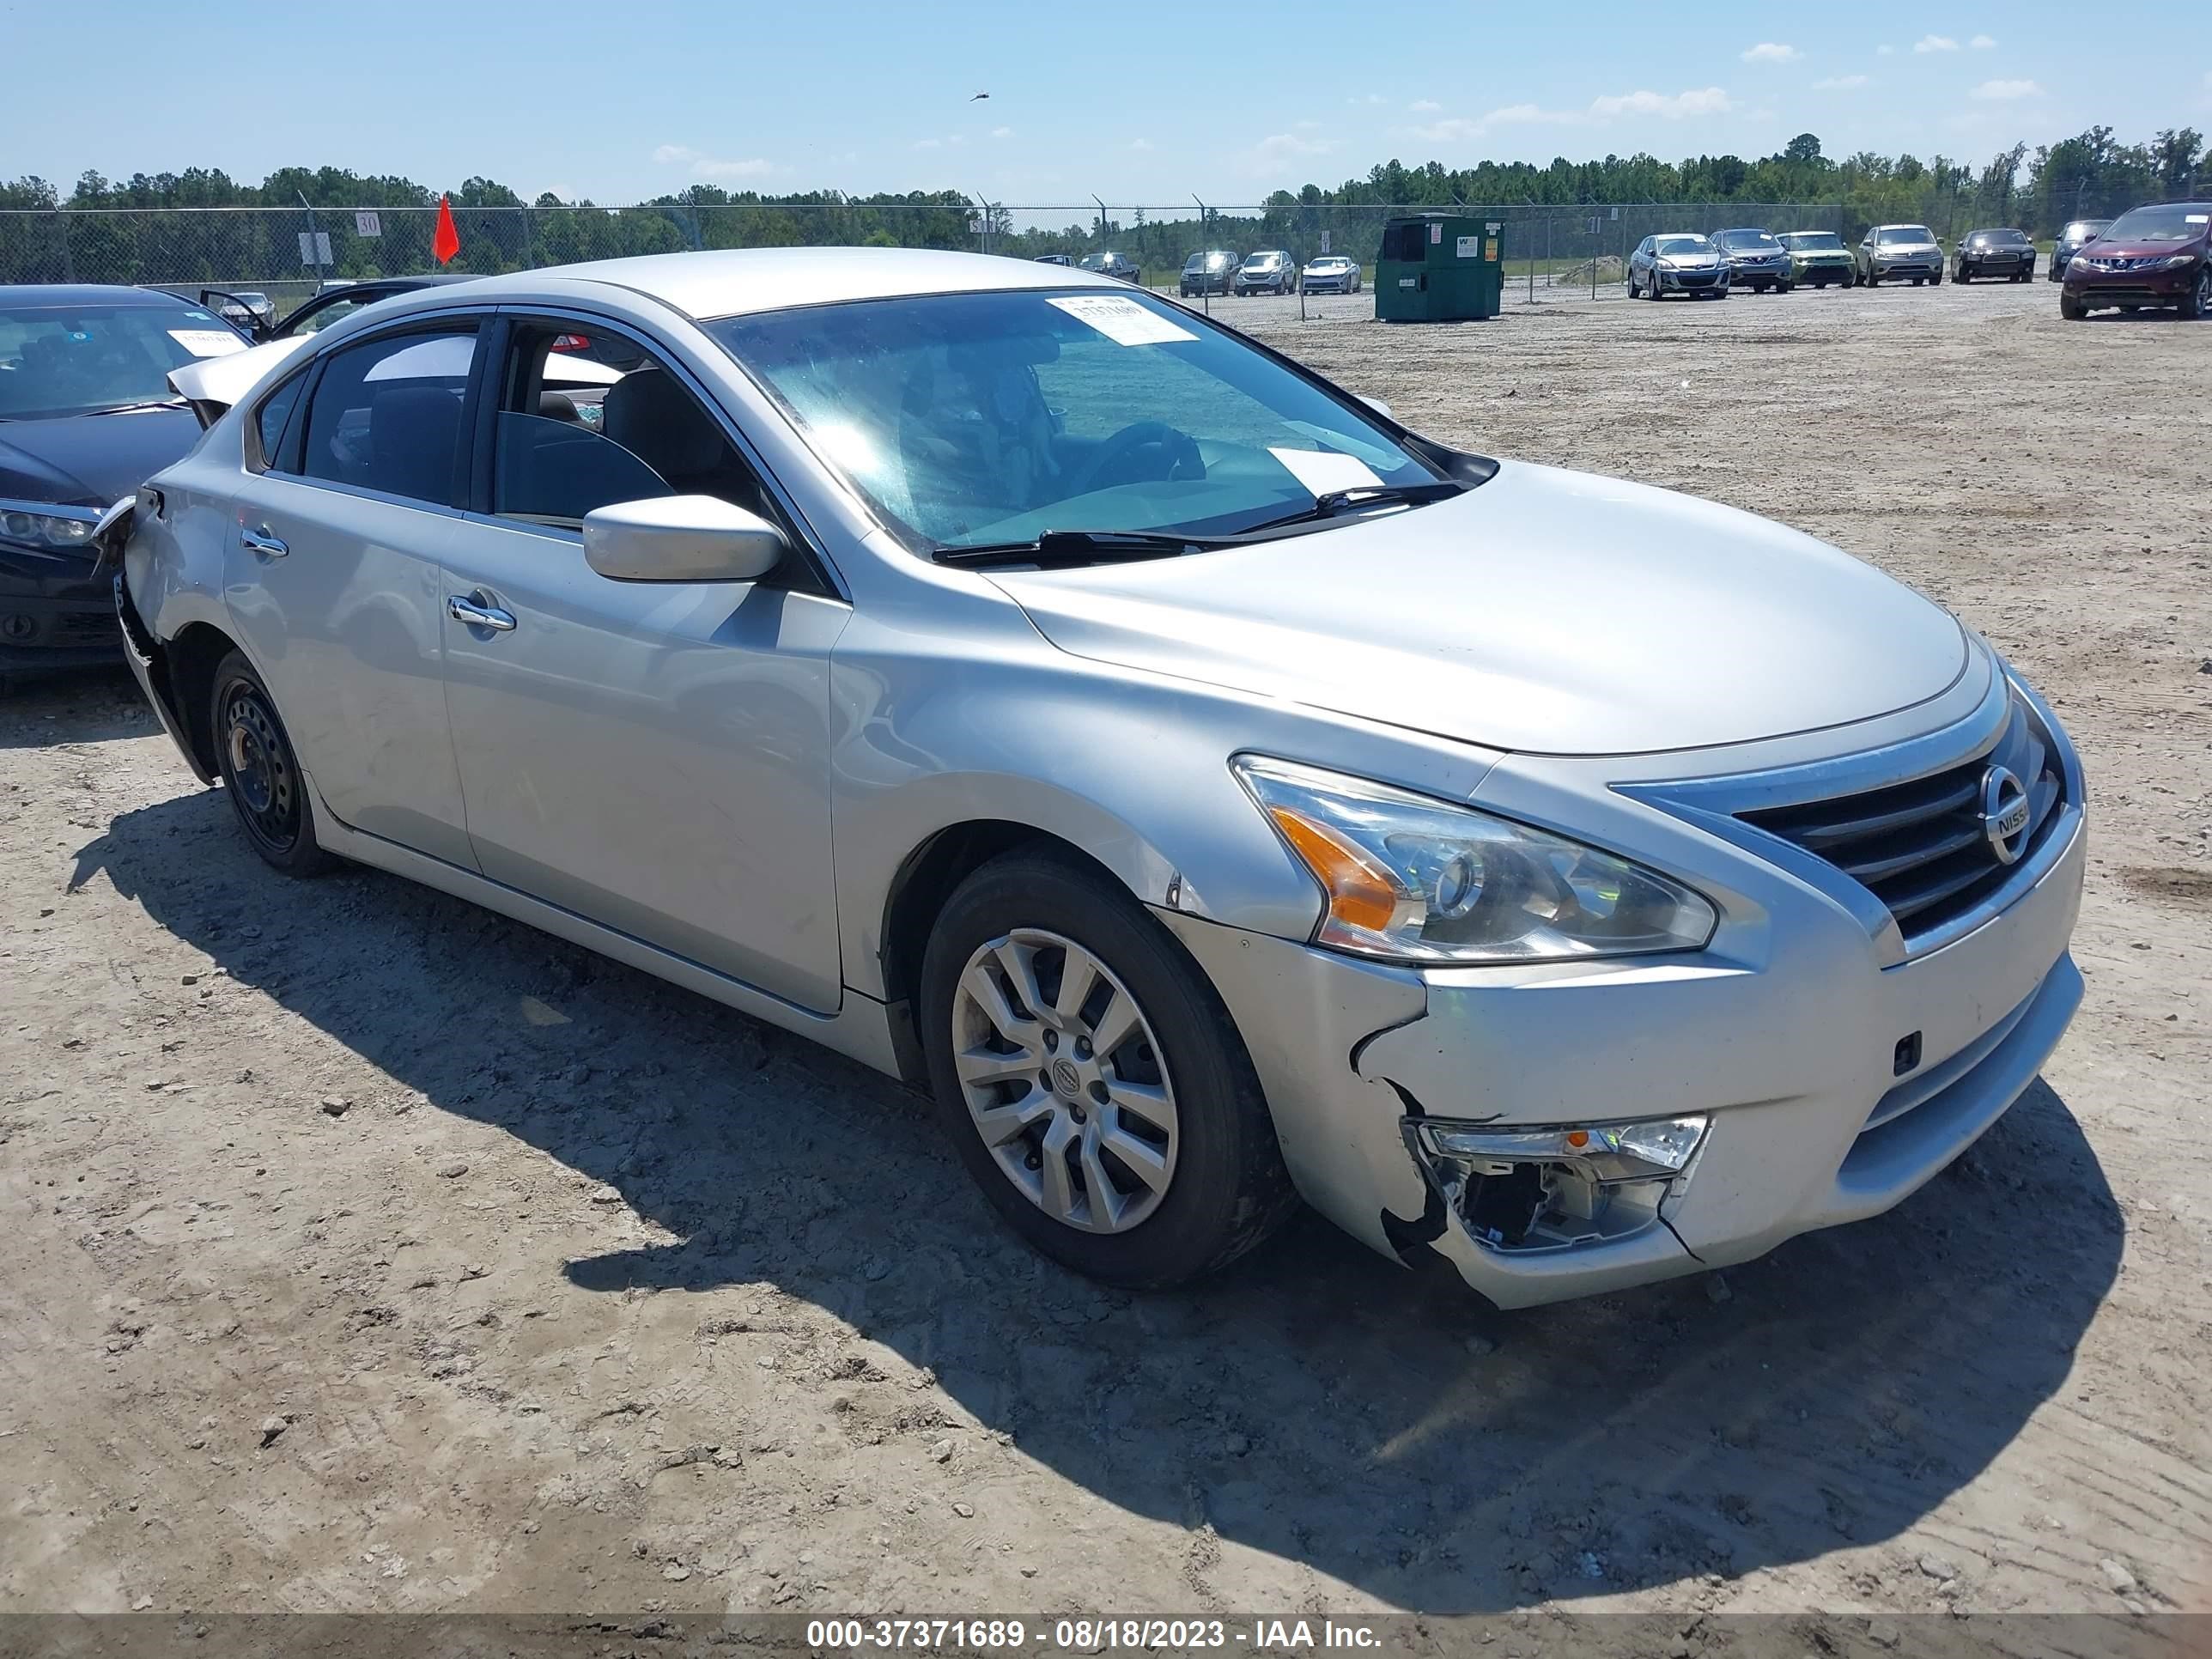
x,y
207,342
1122,321
1321,471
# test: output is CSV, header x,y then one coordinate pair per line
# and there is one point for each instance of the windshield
x,y
1746,238
2183,222
1997,239
1815,241
1264,261
1904,235
58,361
2082,229
1328,262
968,419
1671,244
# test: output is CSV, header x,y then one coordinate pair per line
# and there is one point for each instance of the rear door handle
x,y
259,540
480,615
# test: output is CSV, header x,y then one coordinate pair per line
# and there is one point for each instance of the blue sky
x,y
623,99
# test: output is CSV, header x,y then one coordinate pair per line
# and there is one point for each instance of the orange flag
x,y
446,241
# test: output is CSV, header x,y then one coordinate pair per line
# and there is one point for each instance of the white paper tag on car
x,y
1321,471
1122,321
207,342
2195,218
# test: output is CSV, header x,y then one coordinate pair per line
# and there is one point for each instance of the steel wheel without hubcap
x,y
260,768
1064,1081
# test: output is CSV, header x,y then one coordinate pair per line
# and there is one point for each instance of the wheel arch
x,y
192,656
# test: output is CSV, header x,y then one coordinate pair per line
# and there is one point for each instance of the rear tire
x,y
260,772
1215,1185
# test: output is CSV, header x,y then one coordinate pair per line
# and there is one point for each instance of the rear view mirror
x,y
681,538
1379,407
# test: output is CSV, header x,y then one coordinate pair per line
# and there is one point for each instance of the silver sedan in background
x,y
1213,794
1330,273
1678,261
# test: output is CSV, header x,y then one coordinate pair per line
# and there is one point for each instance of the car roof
x,y
1997,230
25,295
737,282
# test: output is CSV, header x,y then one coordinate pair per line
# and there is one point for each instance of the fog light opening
x,y
1554,1188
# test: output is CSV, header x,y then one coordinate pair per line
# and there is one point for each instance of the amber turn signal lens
x,y
1361,894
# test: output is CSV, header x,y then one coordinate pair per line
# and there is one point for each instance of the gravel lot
x,y
365,1251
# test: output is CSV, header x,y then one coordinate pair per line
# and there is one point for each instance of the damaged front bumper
x,y
1384,1080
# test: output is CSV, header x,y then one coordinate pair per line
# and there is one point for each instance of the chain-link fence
x,y
1551,251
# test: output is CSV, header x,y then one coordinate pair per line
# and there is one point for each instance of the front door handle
x,y
259,540
480,615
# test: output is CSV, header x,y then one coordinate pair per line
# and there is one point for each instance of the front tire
x,y
260,772
1091,1079
2198,300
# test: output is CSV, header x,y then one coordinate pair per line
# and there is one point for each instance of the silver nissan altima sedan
x,y
1212,793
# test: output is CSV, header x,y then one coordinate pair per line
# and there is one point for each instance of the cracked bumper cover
x,y
1790,1060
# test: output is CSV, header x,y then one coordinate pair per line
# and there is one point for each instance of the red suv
x,y
2152,256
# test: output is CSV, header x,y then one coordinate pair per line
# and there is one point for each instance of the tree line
x,y
100,230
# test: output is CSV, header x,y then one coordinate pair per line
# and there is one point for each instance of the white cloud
x,y
710,166
1770,51
2000,91
1462,128
1424,107
1981,43
1140,143
1278,150
1934,43
1843,83
1372,98
1885,51
1707,100
1002,132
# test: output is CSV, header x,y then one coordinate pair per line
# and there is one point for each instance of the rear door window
x,y
386,414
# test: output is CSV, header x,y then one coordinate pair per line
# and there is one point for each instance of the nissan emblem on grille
x,y
2004,813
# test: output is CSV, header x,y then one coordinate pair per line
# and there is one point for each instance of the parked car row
x,y
1268,271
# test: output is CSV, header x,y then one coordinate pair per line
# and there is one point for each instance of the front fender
x,y
1131,768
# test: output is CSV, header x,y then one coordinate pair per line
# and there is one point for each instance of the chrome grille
x,y
1920,846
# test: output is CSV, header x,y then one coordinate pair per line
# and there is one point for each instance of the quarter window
x,y
386,414
269,419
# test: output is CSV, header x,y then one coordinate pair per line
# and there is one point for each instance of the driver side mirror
x,y
1378,406
681,538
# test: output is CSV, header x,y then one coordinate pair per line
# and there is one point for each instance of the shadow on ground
x,y
1316,1403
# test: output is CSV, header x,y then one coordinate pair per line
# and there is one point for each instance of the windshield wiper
x,y
142,403
1058,548
1329,504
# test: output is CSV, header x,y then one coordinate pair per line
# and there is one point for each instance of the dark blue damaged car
x,y
87,413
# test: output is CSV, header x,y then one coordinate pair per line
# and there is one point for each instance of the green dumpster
x,y
1439,268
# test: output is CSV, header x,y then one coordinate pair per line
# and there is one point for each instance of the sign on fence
x,y
366,223
315,248
1324,242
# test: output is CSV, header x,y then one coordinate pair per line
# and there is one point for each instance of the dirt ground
x,y
365,1251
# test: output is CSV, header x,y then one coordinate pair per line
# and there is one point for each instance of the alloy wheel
x,y
1064,1081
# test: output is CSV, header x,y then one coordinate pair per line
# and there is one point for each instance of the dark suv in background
x,y
1755,259
2077,235
2152,256
1212,271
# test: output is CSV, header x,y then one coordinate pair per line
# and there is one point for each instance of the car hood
x,y
1545,611
91,460
2109,250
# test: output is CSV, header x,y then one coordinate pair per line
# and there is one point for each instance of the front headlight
x,y
1415,880
2179,258
36,524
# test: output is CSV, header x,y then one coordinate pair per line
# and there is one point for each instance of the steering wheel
x,y
1134,455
